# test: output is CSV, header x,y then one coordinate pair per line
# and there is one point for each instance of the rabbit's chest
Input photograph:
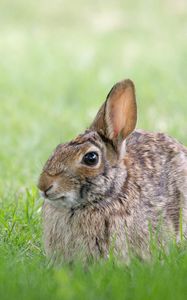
x,y
85,234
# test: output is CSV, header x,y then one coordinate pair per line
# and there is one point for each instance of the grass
x,y
58,60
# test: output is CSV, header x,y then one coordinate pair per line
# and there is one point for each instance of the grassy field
x,y
58,60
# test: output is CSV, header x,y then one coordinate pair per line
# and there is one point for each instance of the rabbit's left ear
x,y
117,117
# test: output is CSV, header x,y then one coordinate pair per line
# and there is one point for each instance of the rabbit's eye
x,y
90,158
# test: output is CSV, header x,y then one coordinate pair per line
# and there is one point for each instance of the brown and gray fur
x,y
137,189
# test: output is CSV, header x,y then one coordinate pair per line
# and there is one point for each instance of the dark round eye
x,y
91,158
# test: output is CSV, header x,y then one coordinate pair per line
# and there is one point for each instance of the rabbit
x,y
114,187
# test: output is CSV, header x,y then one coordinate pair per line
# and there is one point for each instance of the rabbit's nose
x,y
45,185
46,192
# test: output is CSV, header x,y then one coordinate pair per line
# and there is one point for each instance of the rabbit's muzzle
x,y
57,191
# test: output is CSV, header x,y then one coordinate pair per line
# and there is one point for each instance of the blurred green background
x,y
58,60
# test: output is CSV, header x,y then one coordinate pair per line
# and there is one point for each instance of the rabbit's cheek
x,y
64,185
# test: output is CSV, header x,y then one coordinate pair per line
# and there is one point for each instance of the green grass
x,y
58,60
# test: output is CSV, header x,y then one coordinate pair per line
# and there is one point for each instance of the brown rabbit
x,y
114,187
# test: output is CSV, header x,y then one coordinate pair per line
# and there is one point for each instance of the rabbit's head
x,y
90,168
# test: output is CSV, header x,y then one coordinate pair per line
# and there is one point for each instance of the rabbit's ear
x,y
117,117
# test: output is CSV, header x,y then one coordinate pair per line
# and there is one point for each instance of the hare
x,y
114,187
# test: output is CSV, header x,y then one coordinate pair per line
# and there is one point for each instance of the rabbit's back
x,y
156,162
157,165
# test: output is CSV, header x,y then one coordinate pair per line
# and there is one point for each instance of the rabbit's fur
x,y
137,189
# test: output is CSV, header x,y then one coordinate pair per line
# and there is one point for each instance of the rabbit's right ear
x,y
117,117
